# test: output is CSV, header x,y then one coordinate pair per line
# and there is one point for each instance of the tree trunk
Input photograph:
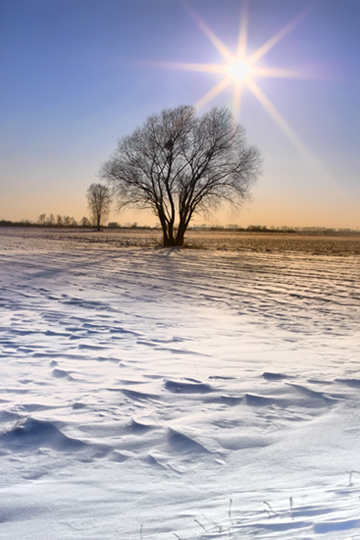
x,y
168,230
168,239
180,238
183,225
169,242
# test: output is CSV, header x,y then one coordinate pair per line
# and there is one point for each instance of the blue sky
x,y
76,75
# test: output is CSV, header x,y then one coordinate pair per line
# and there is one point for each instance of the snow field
x,y
143,390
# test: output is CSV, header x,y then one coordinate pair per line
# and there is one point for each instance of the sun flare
x,y
240,70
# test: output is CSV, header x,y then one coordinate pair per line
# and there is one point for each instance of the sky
x,y
77,75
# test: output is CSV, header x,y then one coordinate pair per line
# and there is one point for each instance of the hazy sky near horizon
x,y
76,75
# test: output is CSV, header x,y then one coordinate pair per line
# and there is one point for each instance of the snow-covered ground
x,y
157,394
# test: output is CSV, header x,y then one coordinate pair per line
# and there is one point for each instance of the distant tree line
x,y
66,221
50,220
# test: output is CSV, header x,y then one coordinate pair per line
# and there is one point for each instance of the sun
x,y
240,70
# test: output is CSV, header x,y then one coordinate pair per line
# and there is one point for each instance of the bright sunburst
x,y
240,70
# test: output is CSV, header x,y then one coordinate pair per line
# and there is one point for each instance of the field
x,y
309,244
201,393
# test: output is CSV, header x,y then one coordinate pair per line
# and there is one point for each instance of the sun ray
x,y
261,51
238,88
289,132
191,66
285,73
240,70
242,39
218,44
241,56
223,68
281,122
278,72
216,90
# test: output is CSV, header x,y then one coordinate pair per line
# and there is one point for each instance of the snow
x,y
156,393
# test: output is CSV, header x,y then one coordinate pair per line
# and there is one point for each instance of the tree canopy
x,y
178,164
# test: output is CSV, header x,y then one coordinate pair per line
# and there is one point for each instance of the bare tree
x,y
99,201
179,164
67,220
41,219
85,222
50,220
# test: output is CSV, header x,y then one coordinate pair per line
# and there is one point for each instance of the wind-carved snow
x,y
154,394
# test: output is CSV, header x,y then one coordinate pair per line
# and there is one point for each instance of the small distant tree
x,y
67,221
99,201
178,164
50,220
42,219
85,222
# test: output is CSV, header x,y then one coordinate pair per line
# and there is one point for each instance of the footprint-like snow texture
x,y
309,511
259,401
313,397
231,401
285,526
188,387
137,396
184,444
61,374
299,396
353,383
269,376
138,427
331,526
33,434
